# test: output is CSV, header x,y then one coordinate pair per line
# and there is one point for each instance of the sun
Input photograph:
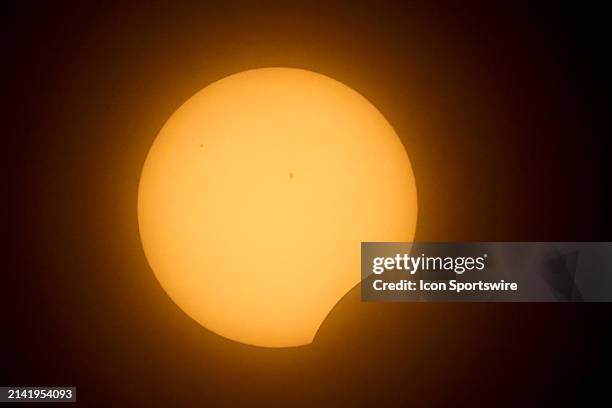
x,y
256,194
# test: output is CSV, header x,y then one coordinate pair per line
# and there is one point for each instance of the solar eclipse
x,y
256,194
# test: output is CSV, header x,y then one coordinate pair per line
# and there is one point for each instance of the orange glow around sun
x,y
256,194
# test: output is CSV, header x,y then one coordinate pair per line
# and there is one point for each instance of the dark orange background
x,y
503,111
